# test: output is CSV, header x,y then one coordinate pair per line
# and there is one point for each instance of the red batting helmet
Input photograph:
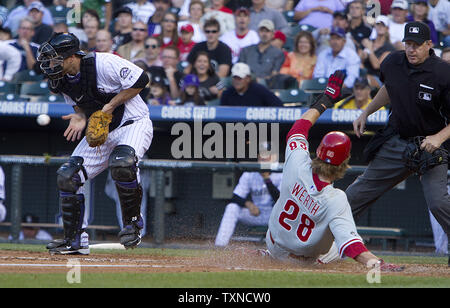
x,y
334,148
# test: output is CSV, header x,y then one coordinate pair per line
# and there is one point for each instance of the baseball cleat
x,y
68,250
78,246
63,247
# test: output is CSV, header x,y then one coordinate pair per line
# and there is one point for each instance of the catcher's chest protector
x,y
86,94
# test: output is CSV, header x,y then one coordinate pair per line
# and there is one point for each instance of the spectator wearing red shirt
x,y
185,43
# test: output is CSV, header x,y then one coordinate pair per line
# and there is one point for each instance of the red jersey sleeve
x,y
355,249
300,127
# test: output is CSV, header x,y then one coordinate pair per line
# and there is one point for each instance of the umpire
x,y
417,86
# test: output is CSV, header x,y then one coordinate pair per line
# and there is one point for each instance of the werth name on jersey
x,y
300,193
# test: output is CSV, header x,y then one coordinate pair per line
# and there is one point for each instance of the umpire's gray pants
x,y
387,170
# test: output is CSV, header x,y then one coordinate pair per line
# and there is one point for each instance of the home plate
x,y
107,246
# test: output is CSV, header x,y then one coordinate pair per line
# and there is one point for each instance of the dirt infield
x,y
215,261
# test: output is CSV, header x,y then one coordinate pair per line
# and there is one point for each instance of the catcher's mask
x,y
418,160
53,52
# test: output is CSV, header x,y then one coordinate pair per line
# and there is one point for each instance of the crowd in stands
x,y
218,52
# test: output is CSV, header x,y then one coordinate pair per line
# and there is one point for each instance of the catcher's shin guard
x,y
72,208
130,196
123,163
75,239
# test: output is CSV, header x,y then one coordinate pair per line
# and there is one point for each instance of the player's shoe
x,y
130,235
80,246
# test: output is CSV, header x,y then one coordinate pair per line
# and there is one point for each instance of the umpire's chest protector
x,y
419,95
85,93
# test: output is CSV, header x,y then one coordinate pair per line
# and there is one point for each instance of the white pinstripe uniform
x,y
249,183
137,135
307,219
2,195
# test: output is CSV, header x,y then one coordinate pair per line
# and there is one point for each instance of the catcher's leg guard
x,y
123,164
72,208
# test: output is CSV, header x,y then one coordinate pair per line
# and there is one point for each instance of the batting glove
x,y
332,93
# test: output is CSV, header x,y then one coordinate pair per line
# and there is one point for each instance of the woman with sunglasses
x,y
169,30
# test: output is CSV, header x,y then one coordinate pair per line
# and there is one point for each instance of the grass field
x,y
32,266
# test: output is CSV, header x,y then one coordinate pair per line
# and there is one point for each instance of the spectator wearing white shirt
x,y
142,10
439,14
184,12
32,233
399,11
13,60
196,11
225,19
242,36
338,57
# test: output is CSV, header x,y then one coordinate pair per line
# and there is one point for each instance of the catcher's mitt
x,y
98,128
420,161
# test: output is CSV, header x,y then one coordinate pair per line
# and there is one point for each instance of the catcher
x,y
104,92
417,85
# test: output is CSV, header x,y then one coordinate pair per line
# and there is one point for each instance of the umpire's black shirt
x,y
419,95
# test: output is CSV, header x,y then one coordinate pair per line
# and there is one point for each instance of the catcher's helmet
x,y
334,148
53,52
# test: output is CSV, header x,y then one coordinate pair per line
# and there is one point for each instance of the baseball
x,y
43,119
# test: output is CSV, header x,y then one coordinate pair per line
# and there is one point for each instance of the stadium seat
x,y
289,16
36,88
315,85
13,98
226,82
363,72
182,65
307,28
292,97
7,87
59,13
27,76
214,102
289,45
51,98
174,10
297,28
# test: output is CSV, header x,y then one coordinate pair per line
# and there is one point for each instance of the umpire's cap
x,y
417,31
